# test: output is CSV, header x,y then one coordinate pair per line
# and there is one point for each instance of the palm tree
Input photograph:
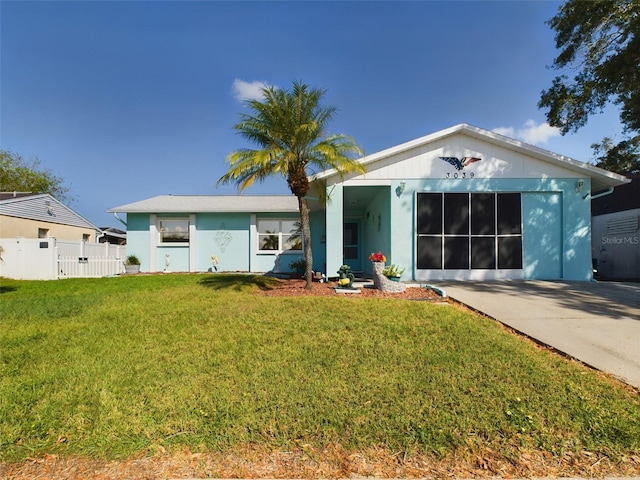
x,y
289,129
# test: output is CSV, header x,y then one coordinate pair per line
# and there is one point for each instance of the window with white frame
x,y
173,230
278,235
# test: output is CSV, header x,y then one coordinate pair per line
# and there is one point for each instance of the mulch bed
x,y
296,288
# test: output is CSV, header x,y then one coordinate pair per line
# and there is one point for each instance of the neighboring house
x,y
616,232
112,235
42,216
462,203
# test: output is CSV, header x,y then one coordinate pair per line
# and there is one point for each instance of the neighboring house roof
x,y
7,195
114,232
600,179
211,203
43,207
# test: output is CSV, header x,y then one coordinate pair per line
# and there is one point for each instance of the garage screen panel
x,y
483,214
456,253
456,213
429,253
483,253
462,231
429,221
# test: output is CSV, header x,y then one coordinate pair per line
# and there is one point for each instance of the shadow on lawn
x,y
5,289
239,282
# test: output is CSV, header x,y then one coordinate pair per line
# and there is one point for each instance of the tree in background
x,y
622,158
19,175
600,42
289,129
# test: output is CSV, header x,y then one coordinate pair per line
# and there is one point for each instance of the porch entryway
x,y
366,225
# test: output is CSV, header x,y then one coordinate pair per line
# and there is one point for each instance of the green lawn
x,y
110,368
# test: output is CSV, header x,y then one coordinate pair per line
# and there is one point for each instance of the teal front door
x,y
351,245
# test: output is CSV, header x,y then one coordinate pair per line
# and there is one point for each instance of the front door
x,y
351,245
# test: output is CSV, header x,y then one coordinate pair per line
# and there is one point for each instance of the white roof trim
x,y
601,179
212,203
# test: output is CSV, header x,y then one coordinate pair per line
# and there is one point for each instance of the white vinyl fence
x,y
50,259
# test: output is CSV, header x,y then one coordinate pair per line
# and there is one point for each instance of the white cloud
x,y
535,134
247,90
531,132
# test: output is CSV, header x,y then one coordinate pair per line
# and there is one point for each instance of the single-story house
x,y
461,203
29,215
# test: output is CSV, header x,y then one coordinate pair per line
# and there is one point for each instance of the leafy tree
x,y
19,175
623,158
600,42
289,129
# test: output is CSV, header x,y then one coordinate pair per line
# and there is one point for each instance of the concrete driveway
x,y
596,322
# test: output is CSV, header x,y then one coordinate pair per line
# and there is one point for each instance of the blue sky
x,y
128,100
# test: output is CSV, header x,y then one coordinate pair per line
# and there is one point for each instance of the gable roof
x,y
600,179
211,203
43,207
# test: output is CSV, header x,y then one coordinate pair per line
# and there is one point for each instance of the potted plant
x,y
345,277
132,264
393,272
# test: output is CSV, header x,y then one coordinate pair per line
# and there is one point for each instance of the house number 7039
x,y
459,175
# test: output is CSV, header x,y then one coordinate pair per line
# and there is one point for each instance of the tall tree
x,y
622,158
19,175
289,129
600,42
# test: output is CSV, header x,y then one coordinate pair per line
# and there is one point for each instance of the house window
x,y
276,235
174,230
43,233
462,231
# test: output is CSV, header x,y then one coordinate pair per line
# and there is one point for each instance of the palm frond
x,y
288,129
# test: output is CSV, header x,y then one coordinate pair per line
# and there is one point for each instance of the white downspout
x,y
115,214
609,191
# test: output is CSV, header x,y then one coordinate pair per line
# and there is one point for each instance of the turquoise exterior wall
x,y
318,241
377,228
542,235
225,235
138,238
556,224
334,224
178,258
555,218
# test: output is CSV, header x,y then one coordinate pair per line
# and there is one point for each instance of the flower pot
x,y
132,268
394,279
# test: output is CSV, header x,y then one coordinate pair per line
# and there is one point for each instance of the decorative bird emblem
x,y
460,164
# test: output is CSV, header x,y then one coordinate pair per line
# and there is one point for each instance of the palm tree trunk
x,y
306,239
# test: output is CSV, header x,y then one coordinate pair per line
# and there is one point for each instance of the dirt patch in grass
x,y
332,462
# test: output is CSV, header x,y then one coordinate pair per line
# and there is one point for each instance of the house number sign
x,y
459,175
